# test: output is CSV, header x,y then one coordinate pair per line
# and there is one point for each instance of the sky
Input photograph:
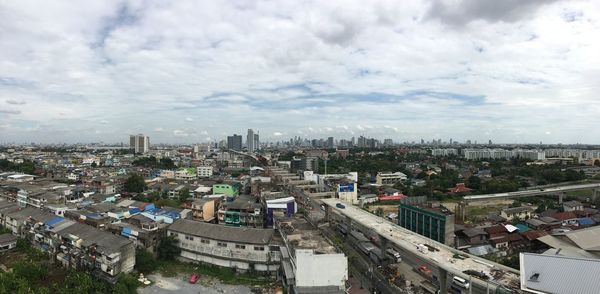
x,y
194,71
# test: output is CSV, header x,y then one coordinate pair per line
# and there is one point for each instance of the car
x,y
340,206
194,278
424,270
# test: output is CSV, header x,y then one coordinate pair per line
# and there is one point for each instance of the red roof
x,y
496,229
563,216
459,188
508,238
397,197
534,234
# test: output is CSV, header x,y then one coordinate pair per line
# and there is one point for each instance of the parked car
x,y
194,278
340,206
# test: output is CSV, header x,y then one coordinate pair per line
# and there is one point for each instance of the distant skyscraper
x,y
330,142
139,143
250,141
234,142
256,142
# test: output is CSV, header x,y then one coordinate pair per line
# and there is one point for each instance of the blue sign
x,y
346,188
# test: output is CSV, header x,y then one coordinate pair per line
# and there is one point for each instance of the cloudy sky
x,y
192,71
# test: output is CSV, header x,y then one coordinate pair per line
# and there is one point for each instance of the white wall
x,y
314,270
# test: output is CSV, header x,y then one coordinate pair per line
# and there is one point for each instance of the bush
x,y
145,262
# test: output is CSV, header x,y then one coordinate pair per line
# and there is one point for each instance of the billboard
x,y
346,188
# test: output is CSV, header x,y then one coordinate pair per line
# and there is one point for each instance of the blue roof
x,y
134,210
54,221
522,228
586,221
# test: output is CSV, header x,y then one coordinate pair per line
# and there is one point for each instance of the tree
x,y
94,164
135,183
145,262
126,284
167,248
184,194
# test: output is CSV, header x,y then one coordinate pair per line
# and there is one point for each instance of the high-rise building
x,y
139,143
330,142
234,142
256,142
250,141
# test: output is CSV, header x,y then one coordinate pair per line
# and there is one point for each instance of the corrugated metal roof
x,y
559,274
587,239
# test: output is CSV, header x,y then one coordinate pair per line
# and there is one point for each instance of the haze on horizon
x,y
195,71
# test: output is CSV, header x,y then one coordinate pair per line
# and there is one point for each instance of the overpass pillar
x,y
595,195
443,279
560,197
384,243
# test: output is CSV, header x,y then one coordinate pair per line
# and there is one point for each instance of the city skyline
x,y
183,72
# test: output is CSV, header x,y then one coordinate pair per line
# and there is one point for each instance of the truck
x,y
393,255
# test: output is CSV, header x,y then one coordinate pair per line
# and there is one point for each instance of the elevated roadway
x,y
560,191
443,258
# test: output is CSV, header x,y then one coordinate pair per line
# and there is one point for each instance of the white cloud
x,y
180,133
277,134
470,67
15,102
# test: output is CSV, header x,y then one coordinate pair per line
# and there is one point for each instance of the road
x,y
444,257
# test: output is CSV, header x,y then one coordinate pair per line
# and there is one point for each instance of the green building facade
x,y
433,224
230,190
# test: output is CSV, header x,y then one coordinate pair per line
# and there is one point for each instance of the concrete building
x,y
250,141
139,143
242,249
204,171
433,222
234,142
8,241
477,154
389,178
523,212
309,263
444,152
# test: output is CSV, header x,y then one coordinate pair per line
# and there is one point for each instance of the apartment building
x,y
389,178
242,249
204,171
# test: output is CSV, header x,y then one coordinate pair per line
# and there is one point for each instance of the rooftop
x,y
223,233
559,274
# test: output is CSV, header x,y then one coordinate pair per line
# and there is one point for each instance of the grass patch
x,y
226,275
484,210
581,193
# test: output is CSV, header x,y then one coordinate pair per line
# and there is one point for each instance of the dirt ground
x,y
496,203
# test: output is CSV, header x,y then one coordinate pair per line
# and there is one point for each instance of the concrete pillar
x,y
594,195
348,223
384,243
443,279
560,197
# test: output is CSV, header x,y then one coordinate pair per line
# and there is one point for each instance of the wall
x,y
320,270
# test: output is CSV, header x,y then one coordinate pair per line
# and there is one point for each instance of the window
x,y
221,244
204,241
239,246
189,238
259,248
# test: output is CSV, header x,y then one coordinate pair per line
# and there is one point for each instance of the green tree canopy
x,y
135,184
167,248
